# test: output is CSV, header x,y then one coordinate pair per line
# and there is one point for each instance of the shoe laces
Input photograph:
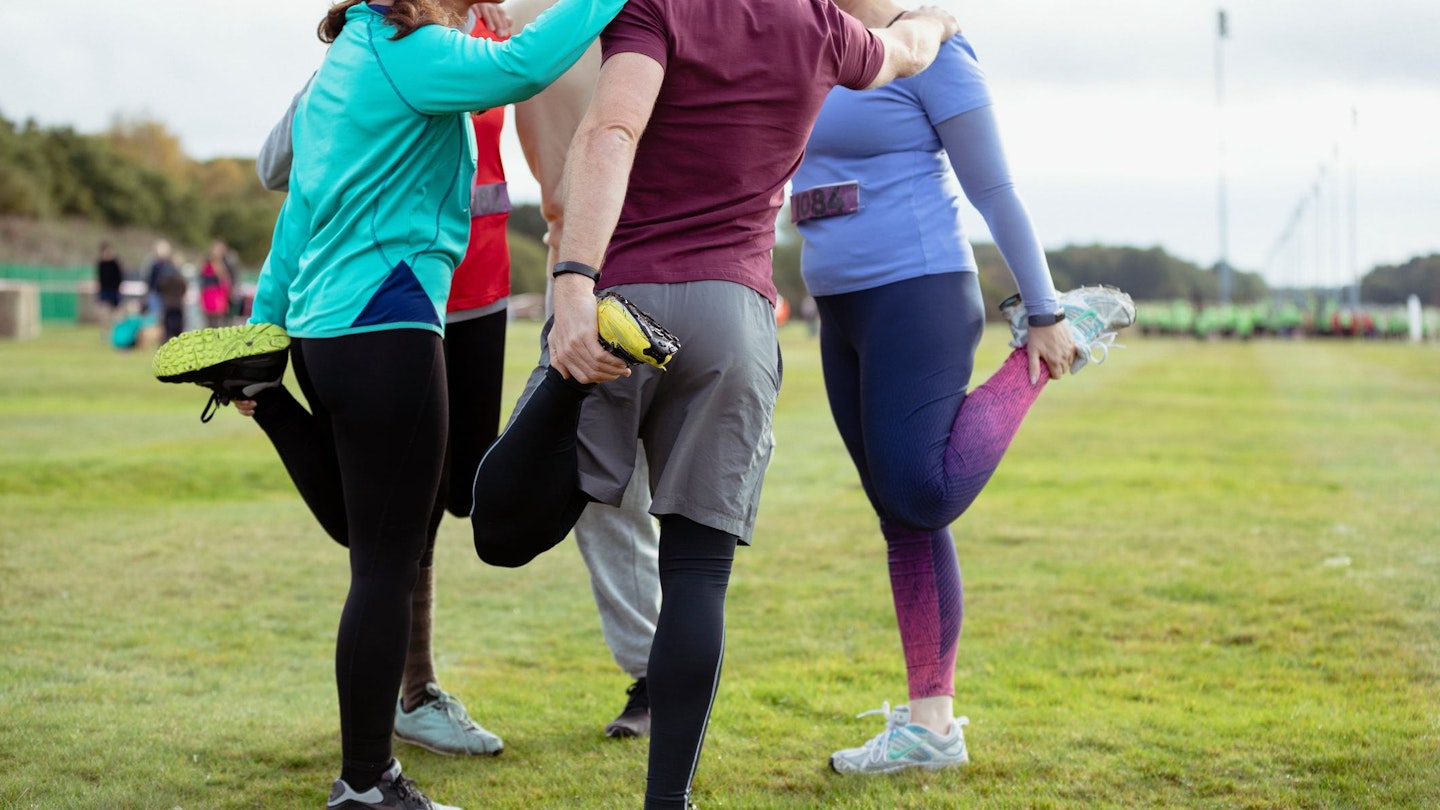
x,y
408,791
1099,349
213,406
454,709
894,721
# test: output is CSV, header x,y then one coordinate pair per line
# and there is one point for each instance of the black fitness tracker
x,y
578,268
1046,320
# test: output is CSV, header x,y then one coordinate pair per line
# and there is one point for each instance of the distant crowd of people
x,y
1287,319
176,296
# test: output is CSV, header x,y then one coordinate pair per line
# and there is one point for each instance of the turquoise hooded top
x,y
378,213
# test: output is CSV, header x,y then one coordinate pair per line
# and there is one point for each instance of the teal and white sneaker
x,y
1094,315
394,792
903,745
234,362
442,725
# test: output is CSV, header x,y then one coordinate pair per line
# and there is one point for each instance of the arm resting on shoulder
x,y
460,73
871,13
912,43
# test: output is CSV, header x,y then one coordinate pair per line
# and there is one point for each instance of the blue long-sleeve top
x,y
912,148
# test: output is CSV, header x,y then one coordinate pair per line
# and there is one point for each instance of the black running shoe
x,y
634,721
394,791
631,335
234,362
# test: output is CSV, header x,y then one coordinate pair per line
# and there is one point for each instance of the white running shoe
x,y
442,725
903,745
1095,315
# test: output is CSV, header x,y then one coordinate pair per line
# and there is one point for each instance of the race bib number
x,y
491,198
825,201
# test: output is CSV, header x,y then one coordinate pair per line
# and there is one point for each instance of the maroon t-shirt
x,y
744,80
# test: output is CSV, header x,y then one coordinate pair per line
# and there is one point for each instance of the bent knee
x,y
919,505
494,548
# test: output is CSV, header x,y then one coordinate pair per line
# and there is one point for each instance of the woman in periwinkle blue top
x,y
376,220
877,201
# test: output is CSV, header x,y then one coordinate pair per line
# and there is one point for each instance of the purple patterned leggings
x,y
897,360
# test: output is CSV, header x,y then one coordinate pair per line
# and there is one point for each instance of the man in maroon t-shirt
x,y
700,117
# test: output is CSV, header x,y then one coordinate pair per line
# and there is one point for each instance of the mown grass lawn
x,y
1207,575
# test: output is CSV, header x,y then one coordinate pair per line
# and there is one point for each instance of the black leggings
x,y
527,498
475,375
366,459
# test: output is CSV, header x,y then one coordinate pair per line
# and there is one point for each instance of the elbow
x,y
275,183
611,138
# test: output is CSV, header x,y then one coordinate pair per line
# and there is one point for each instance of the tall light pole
x,y
1337,193
1354,235
1223,32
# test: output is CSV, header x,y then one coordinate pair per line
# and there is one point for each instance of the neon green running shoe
x,y
234,362
632,335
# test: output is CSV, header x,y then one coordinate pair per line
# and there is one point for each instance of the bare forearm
x,y
596,175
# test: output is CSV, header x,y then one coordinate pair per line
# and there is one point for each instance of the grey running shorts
x,y
705,422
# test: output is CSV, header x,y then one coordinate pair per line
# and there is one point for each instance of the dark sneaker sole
x,y
212,355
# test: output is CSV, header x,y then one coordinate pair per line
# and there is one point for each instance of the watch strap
x,y
578,268
1047,319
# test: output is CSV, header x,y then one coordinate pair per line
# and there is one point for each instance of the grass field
x,y
1207,575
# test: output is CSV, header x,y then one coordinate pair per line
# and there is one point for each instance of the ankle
x,y
935,714
559,382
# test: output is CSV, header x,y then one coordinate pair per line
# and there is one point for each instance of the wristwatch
x,y
1046,320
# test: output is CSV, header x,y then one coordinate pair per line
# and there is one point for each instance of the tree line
x,y
1393,284
135,174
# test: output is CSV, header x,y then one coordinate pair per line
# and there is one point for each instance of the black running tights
x,y
366,458
685,656
527,498
475,376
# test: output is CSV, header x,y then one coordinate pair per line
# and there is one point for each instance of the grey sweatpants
x,y
620,546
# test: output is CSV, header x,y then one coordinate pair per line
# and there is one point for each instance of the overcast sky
x,y
1108,109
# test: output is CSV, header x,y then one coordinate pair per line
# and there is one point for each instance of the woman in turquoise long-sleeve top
x,y
377,218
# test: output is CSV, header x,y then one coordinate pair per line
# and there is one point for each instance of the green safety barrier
x,y
59,288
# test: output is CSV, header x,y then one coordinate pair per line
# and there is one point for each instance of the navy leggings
x,y
366,458
897,361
